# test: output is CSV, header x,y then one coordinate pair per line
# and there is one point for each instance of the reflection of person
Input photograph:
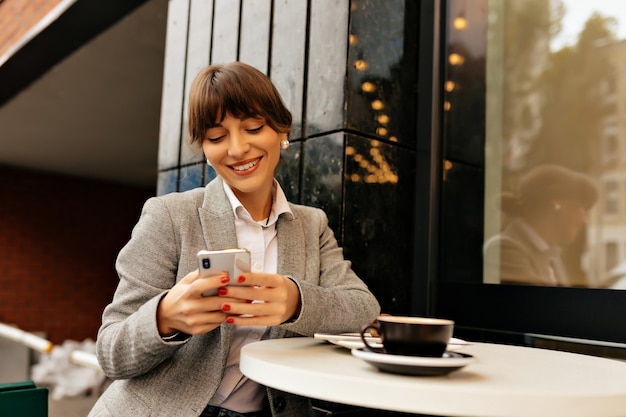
x,y
173,352
548,210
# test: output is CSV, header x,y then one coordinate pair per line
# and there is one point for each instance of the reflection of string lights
x,y
447,106
378,172
381,131
456,59
353,39
383,119
447,166
360,65
368,87
449,86
378,105
459,22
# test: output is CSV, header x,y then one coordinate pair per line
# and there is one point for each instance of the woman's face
x,y
245,153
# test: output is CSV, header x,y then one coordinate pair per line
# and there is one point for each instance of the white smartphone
x,y
234,261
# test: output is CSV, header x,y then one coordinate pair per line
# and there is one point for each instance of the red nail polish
x,y
226,307
241,279
222,291
230,320
225,279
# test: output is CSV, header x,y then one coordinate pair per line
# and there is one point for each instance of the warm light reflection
x,y
381,131
459,22
368,87
393,138
377,169
447,166
447,106
378,105
383,119
353,39
456,59
449,86
360,65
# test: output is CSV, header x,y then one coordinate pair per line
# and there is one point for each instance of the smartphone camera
x,y
206,263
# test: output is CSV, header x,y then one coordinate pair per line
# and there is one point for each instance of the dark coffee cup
x,y
411,336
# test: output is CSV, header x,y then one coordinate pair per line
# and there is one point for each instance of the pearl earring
x,y
208,162
284,144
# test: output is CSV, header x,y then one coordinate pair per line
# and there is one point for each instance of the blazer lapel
x,y
291,250
217,218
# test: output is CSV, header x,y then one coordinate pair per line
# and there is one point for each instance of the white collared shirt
x,y
236,392
552,253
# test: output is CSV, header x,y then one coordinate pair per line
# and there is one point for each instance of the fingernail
x,y
225,279
222,291
226,307
230,320
241,278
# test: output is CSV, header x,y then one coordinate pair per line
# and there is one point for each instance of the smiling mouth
x,y
246,166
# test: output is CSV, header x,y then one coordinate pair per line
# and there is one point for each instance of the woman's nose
x,y
238,145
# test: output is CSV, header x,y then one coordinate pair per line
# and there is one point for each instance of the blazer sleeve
x,y
128,342
334,299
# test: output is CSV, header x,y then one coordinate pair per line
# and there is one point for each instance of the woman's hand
x,y
260,299
186,310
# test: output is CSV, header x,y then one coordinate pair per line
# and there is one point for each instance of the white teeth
x,y
245,166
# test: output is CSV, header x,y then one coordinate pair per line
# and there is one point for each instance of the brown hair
x,y
237,89
544,183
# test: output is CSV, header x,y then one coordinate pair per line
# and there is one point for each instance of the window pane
x,y
543,84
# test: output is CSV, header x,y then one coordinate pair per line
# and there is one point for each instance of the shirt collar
x,y
537,241
280,205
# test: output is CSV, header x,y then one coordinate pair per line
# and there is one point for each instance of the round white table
x,y
503,381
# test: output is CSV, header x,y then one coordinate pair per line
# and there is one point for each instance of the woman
x,y
548,210
173,352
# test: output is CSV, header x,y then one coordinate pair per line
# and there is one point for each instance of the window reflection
x,y
544,89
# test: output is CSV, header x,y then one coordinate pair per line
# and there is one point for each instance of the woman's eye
x,y
214,139
256,129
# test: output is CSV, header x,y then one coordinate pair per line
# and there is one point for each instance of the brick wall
x,y
59,237
17,17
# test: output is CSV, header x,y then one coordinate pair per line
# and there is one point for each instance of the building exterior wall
x,y
347,72
59,237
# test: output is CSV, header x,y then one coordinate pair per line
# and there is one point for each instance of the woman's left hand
x,y
266,299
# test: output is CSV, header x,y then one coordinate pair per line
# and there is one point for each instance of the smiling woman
x,y
161,327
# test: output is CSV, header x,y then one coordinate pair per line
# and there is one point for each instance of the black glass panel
x,y
461,223
323,176
464,86
381,71
288,172
378,228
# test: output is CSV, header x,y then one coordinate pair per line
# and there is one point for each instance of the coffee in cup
x,y
411,336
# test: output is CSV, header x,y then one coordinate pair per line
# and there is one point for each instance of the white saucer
x,y
353,340
348,340
415,365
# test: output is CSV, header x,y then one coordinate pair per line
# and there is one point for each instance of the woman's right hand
x,y
185,309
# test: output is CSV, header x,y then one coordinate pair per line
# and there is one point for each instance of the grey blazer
x,y
157,378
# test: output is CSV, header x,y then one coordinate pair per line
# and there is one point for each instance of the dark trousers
x,y
213,411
